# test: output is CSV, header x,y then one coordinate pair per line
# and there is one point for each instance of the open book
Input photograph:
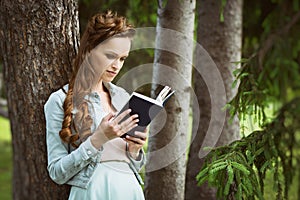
x,y
146,107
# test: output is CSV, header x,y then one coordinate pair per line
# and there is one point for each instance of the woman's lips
x,y
112,73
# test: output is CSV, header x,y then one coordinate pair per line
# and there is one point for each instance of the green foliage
x,y
226,170
268,79
223,3
145,18
238,169
271,73
277,82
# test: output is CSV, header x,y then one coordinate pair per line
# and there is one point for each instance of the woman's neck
x,y
99,87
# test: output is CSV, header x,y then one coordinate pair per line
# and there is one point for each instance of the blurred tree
x,y
220,33
268,90
272,50
38,41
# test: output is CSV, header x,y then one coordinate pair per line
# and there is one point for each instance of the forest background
x,y
263,161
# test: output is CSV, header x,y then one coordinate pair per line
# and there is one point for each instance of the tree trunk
x,y
165,170
222,40
38,41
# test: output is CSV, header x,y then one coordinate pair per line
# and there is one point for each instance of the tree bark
x,y
222,40
38,40
165,170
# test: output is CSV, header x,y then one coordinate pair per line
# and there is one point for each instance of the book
x,y
147,108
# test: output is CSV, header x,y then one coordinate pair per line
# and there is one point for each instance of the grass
x,y
5,160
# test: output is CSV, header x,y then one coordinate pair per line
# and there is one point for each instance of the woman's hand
x,y
110,127
135,144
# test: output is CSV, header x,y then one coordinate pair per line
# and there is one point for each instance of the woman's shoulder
x,y
116,89
119,96
57,97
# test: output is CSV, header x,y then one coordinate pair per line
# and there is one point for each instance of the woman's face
x,y
108,57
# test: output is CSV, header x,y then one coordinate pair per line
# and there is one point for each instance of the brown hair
x,y
100,27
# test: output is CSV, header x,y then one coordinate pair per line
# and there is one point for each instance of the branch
x,y
269,42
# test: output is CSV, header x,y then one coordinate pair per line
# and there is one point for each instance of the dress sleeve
x,y
63,165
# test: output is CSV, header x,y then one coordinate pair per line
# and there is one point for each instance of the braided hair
x,y
100,27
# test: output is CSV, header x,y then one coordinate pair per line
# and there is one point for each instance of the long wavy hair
x,y
100,27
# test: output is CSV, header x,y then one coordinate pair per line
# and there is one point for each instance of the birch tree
x,y
220,33
165,170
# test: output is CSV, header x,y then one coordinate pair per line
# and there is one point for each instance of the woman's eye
x,y
123,58
110,56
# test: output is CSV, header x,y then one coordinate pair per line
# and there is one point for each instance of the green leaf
x,y
240,167
218,168
236,72
248,185
202,180
229,181
202,173
245,189
234,83
239,193
264,166
259,151
222,17
247,93
249,156
222,10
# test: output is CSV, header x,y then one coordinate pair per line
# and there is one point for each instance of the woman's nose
x,y
117,64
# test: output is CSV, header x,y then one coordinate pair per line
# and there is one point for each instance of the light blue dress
x,y
106,174
112,180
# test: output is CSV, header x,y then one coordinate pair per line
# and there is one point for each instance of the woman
x,y
83,135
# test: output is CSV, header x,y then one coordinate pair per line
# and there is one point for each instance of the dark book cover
x,y
146,107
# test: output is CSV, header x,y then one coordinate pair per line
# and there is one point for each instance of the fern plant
x,y
238,169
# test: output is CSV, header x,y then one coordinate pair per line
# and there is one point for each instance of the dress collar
x,y
118,96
